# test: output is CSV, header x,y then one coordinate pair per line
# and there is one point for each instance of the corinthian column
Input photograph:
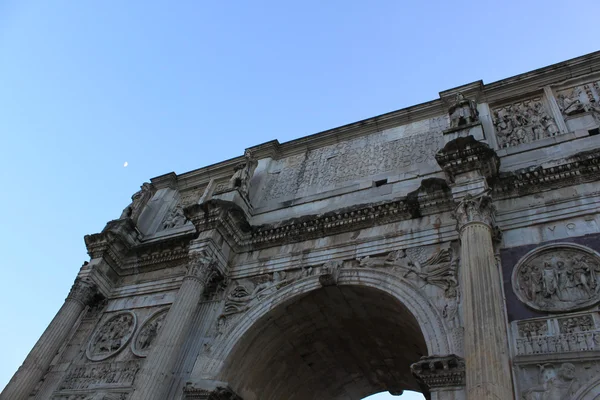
x,y
38,361
153,380
486,344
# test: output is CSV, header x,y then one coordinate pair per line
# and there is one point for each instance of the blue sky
x,y
173,86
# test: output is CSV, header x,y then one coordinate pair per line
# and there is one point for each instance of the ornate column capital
x,y
83,291
203,268
475,209
440,372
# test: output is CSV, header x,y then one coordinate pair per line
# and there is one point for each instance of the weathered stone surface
x,y
325,267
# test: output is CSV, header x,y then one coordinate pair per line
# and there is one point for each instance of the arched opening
x,y
336,342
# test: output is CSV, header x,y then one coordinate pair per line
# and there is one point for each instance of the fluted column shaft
x,y
153,379
39,358
486,343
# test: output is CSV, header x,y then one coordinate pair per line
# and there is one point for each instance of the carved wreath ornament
x,y
558,277
111,336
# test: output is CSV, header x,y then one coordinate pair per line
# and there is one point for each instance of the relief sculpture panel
x,y
580,99
111,336
148,332
523,121
557,278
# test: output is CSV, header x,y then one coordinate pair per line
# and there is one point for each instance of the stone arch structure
x,y
411,223
405,308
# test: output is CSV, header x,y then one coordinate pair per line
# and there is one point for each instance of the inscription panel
x,y
328,167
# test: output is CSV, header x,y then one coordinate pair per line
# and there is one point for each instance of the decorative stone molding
x,y
557,278
114,242
111,336
220,393
465,154
440,372
146,335
579,168
83,291
475,209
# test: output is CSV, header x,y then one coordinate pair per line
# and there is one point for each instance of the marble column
x,y
486,344
39,358
153,380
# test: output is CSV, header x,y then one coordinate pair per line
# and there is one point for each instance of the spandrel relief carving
x,y
524,121
580,99
248,292
556,278
111,336
148,332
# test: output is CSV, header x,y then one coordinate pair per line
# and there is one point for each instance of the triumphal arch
x,y
451,248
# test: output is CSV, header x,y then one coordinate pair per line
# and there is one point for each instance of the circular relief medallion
x,y
111,336
148,332
558,277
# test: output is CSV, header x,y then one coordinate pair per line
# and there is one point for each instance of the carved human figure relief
x,y
138,202
462,112
103,375
580,99
148,332
557,278
111,336
524,121
174,218
554,384
242,174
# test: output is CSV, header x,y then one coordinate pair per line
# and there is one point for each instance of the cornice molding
x,y
465,154
580,168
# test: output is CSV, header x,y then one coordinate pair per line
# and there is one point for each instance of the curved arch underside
x,y
338,342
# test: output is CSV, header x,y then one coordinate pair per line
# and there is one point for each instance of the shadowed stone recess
x,y
334,343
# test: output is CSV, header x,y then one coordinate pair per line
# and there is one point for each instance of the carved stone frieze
x,y
440,372
575,333
475,209
557,278
111,336
524,121
348,160
100,376
146,335
94,396
83,291
220,393
580,99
